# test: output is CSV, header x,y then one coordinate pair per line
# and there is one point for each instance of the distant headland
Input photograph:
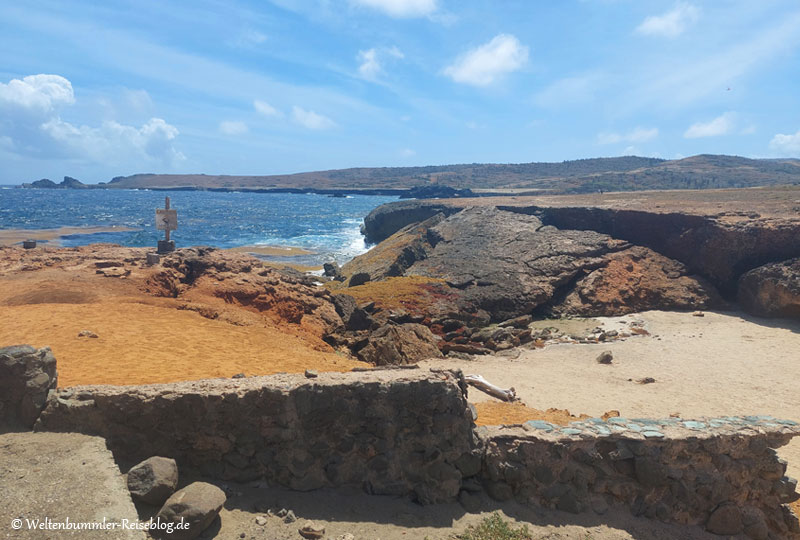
x,y
629,173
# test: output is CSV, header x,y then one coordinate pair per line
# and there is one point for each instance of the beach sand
x,y
721,364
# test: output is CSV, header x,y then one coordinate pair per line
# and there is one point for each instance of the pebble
x,y
290,517
261,520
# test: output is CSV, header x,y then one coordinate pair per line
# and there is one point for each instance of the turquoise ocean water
x,y
328,226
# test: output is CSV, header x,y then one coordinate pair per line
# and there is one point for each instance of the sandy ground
x,y
719,364
388,518
139,344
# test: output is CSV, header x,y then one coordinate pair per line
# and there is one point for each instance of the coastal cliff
x,y
633,258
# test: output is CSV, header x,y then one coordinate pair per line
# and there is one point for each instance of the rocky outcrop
x,y
398,344
26,377
393,256
719,246
510,264
772,290
707,245
387,219
203,273
436,192
638,279
393,432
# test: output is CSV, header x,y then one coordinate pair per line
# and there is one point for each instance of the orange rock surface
x,y
227,321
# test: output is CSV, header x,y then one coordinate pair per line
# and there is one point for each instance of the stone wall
x,y
394,432
411,432
721,473
26,376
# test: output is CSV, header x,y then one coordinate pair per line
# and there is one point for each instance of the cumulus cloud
x,y
400,8
311,119
636,135
786,145
30,124
265,109
483,65
233,127
370,64
672,23
721,125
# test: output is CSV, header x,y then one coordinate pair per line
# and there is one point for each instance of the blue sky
x,y
94,90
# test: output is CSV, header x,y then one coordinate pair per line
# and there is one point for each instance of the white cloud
x,y
637,135
38,94
721,125
265,109
482,65
310,119
400,8
407,152
113,141
233,127
30,125
370,65
672,23
786,145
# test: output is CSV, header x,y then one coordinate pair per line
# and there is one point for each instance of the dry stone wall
x,y
722,473
26,377
394,432
411,432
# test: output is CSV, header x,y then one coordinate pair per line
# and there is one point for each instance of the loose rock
x,y
197,505
153,480
605,357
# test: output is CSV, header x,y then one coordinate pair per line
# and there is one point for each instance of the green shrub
x,y
495,527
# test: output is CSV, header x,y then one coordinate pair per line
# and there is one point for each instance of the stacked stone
x,y
391,433
26,377
722,472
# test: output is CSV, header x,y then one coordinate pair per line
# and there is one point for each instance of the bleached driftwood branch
x,y
495,391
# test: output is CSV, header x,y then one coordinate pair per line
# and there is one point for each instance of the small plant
x,y
495,527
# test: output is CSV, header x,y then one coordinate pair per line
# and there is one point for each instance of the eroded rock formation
x,y
772,290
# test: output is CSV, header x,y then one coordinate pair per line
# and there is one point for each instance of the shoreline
x,y
10,237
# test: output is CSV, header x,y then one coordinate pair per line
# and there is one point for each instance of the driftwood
x,y
495,391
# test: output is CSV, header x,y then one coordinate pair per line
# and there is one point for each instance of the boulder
x,y
396,344
196,505
772,290
358,278
26,377
153,480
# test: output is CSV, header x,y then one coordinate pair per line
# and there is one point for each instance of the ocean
x,y
327,226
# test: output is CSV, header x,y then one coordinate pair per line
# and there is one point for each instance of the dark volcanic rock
x,y
507,264
396,254
503,264
387,219
26,377
197,505
772,290
400,344
44,183
153,480
436,192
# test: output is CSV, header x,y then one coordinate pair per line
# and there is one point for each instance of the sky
x,y
95,90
